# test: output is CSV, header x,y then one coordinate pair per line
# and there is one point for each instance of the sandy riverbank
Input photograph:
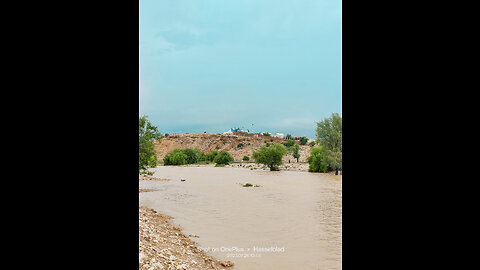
x,y
164,246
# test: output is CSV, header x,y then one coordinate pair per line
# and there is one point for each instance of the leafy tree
x,y
270,156
296,153
223,158
334,160
316,160
329,135
147,134
303,140
289,143
210,156
176,157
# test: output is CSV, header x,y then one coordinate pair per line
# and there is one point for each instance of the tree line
x,y
324,157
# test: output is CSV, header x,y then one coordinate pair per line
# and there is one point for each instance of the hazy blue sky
x,y
211,65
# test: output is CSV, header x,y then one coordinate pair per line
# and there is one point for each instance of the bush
x,y
317,160
303,140
184,156
270,156
239,145
245,158
290,143
176,157
210,156
223,158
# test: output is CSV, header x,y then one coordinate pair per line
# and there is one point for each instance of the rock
x,y
226,263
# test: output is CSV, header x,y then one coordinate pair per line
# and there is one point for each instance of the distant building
x,y
278,135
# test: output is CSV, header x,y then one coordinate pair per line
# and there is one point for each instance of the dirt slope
x,y
207,142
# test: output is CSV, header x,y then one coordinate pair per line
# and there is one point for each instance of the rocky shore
x,y
164,246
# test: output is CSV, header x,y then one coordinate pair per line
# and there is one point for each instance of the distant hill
x,y
207,142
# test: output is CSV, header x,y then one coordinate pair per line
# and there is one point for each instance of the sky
x,y
212,65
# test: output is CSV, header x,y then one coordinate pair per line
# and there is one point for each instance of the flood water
x,y
299,214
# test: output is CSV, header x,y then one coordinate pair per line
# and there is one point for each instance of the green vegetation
x,y
176,157
147,134
184,156
270,156
329,135
316,160
289,143
245,158
303,140
296,153
223,158
210,156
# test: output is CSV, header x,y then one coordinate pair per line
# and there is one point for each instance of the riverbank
x,y
164,246
293,166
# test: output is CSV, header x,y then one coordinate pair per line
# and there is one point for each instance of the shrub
x,y
245,158
303,140
317,160
223,158
290,143
176,157
210,156
270,156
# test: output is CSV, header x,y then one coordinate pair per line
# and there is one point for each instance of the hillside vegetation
x,y
238,144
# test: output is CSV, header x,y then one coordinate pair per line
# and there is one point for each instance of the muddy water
x,y
299,214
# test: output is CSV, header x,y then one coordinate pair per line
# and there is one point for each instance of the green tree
x,y
223,158
317,160
289,143
210,156
303,140
334,160
329,135
296,153
147,134
270,156
176,157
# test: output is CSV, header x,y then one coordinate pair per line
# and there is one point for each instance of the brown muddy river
x,y
293,221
